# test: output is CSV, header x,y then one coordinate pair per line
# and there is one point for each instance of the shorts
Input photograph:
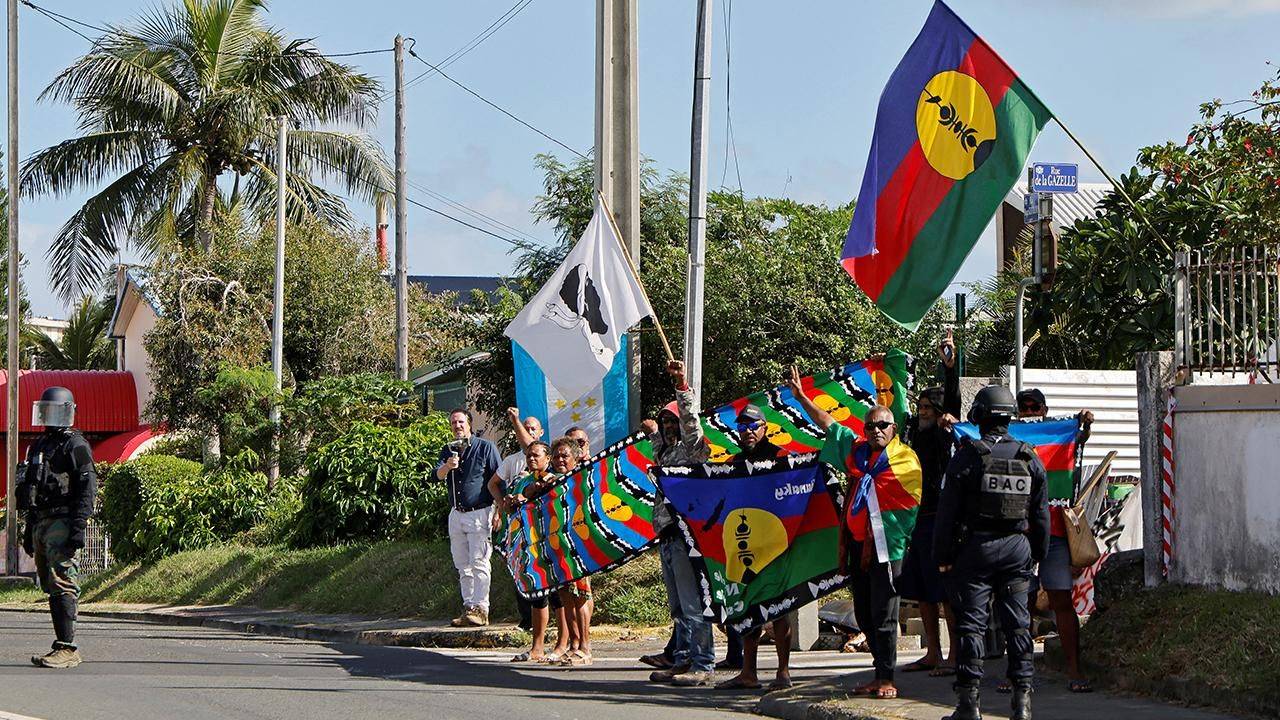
x,y
1055,571
551,600
920,579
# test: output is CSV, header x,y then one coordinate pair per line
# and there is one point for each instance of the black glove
x,y
28,539
75,540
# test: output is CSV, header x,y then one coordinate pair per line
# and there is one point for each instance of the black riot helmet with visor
x,y
56,408
993,405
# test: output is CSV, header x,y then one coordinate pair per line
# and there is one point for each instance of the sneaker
x,y
657,660
693,678
461,620
666,676
60,658
476,616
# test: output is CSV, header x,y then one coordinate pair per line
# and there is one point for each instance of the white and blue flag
x,y
601,412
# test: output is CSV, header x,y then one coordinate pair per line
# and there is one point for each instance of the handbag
x,y
1081,543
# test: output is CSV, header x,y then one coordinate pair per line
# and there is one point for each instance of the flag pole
x,y
626,252
1114,184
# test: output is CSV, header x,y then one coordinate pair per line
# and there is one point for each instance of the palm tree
x,y
170,105
84,345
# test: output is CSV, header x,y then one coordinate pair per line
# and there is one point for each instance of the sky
x,y
802,82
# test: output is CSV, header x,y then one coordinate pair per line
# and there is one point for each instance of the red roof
x,y
122,447
106,401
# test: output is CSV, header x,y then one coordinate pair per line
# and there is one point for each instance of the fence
x,y
1227,311
95,556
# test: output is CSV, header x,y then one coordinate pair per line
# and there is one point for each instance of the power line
x,y
731,143
489,219
493,105
59,18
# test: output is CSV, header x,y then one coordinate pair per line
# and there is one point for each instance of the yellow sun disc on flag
x,y
884,387
580,523
956,124
752,538
615,509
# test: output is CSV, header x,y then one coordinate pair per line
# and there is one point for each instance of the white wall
x,y
1227,479
136,359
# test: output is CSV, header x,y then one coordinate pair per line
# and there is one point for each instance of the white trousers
x,y
471,545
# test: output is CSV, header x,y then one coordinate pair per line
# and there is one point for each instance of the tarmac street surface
x,y
146,671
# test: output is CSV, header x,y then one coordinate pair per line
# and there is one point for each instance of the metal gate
x,y
1227,311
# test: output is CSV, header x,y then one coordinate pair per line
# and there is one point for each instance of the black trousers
x,y
987,566
876,604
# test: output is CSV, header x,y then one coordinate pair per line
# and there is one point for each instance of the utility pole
x,y
697,204
11,439
617,149
402,278
277,303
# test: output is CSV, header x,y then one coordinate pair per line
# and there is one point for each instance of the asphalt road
x,y
145,671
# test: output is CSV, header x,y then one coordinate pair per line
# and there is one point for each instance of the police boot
x,y
966,704
63,608
1021,703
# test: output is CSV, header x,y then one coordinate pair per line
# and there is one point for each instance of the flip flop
x,y
737,683
942,671
780,684
523,657
1005,687
549,659
867,689
918,666
1079,686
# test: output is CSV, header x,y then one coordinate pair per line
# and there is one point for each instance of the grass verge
x,y
395,579
1193,645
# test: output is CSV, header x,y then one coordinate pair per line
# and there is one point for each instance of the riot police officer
x,y
57,493
993,523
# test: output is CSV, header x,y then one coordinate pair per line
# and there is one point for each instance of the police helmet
x,y
56,408
993,402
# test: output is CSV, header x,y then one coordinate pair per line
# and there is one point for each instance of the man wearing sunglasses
x,y
874,570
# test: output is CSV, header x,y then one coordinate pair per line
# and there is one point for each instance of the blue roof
x,y
460,284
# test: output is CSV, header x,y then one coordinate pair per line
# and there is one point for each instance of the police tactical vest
x,y
1004,489
46,484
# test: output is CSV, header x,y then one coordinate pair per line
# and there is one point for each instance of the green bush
x,y
371,483
324,409
158,504
280,518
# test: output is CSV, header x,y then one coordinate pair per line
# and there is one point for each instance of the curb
x,y
424,638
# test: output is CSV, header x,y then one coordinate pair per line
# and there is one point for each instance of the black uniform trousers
x,y
987,564
876,605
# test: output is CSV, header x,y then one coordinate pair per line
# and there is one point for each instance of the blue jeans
x,y
694,643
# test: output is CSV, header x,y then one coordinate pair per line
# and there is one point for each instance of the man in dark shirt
x,y
466,464
929,434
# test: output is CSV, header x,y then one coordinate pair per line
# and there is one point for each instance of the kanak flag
x,y
953,130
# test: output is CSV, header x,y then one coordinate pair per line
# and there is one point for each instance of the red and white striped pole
x,y
1167,486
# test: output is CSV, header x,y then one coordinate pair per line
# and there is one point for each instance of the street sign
x,y
1031,207
1054,177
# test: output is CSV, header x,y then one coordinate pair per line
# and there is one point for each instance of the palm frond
x,y
86,160
353,159
113,73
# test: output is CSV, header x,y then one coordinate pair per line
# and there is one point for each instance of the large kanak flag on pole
x,y
573,327
953,130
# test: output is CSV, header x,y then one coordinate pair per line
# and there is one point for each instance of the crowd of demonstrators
x,y
928,432
677,439
992,524
466,464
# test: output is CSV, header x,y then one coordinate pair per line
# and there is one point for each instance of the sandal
x,y
737,683
550,659
527,656
1004,687
575,658
867,689
918,666
1079,686
886,692
942,671
780,684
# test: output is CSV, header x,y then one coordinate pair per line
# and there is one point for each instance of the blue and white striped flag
x,y
601,411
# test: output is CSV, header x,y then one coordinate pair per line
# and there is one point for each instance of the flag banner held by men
x,y
953,130
763,535
544,553
573,326
847,393
595,519
602,412
1057,443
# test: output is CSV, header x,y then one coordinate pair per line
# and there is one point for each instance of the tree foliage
x,y
1112,294
173,101
84,345
775,293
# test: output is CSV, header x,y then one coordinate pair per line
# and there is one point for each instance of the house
x,y
461,285
1067,209
135,315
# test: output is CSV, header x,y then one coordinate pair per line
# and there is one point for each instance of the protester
x,y
512,467
874,570
1056,574
579,436
929,434
677,439
992,523
529,484
576,596
466,464
753,431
